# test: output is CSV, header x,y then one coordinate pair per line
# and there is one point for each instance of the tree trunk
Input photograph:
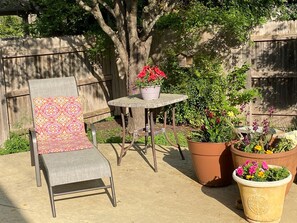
x,y
138,59
132,44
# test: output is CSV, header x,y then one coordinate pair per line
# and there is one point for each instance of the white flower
x,y
293,136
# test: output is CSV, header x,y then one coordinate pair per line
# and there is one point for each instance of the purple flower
x,y
242,107
265,126
271,110
255,125
264,165
246,140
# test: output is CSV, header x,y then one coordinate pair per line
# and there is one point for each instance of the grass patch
x,y
20,143
114,136
15,144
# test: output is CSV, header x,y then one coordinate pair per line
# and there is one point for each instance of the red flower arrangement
x,y
150,76
216,127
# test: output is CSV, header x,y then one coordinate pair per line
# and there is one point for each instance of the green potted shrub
x,y
218,97
262,190
209,147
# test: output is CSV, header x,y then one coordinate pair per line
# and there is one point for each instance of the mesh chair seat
x,y
75,166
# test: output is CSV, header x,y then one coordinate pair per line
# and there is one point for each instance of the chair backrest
x,y
51,87
57,115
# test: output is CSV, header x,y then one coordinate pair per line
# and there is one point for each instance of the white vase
x,y
150,92
262,201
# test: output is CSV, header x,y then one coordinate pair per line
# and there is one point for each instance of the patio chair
x,y
58,143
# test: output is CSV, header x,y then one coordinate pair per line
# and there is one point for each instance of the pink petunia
x,y
253,169
264,165
239,171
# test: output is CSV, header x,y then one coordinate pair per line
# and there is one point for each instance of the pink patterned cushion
x,y
59,124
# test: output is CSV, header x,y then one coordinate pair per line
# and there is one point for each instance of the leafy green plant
x,y
16,143
216,127
207,87
11,26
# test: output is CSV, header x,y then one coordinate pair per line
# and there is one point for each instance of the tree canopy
x,y
131,25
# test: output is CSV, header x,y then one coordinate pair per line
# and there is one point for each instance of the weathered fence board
x,y
274,71
272,56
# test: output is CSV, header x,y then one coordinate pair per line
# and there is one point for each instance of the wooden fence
x,y
272,54
24,59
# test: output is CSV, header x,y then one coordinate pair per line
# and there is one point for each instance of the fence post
x,y
4,126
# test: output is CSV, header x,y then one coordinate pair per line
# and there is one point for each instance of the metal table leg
x,y
174,131
152,133
123,148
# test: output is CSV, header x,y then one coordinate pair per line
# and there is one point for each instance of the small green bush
x,y
15,144
208,87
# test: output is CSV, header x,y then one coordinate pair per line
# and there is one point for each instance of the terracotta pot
x,y
262,201
150,92
287,159
212,163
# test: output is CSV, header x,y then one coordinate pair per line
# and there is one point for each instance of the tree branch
x,y
120,21
96,12
84,5
152,12
107,7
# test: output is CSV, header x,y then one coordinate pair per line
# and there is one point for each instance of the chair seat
x,y
75,166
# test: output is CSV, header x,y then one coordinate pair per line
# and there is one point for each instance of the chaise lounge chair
x,y
58,142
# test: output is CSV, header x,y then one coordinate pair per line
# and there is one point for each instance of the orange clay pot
x,y
286,159
212,163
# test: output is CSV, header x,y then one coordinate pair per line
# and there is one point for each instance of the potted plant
x,y
213,111
149,80
209,147
262,190
263,143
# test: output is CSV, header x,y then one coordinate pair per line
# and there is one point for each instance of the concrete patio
x,y
171,195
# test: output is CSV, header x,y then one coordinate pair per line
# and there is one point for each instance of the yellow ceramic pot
x,y
262,201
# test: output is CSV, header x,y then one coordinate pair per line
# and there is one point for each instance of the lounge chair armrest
x,y
33,140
